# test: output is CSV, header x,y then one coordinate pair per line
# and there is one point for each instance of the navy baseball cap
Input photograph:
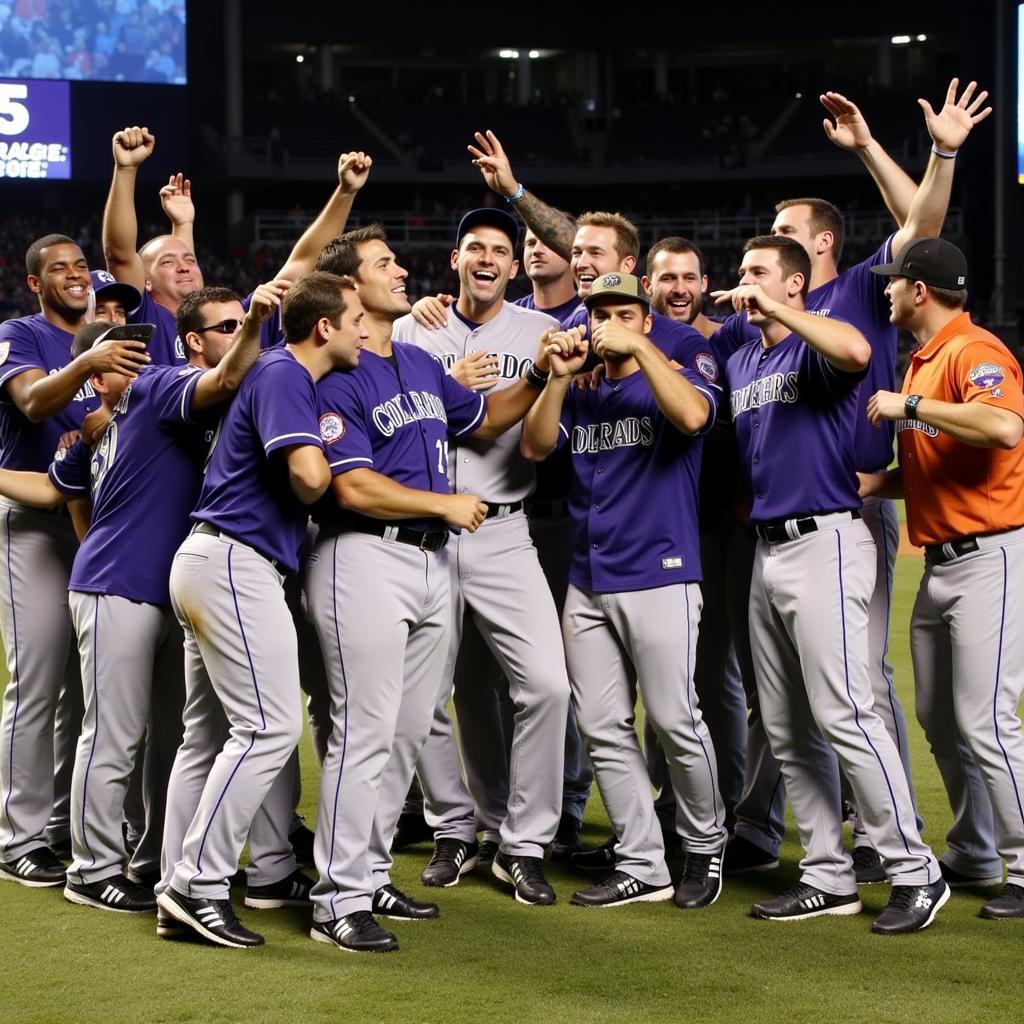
x,y
492,217
105,282
931,260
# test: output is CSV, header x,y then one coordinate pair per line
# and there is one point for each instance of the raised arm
x,y
176,200
132,147
948,129
353,170
850,132
545,222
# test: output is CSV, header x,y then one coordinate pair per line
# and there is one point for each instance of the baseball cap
x,y
105,282
616,286
493,218
931,260
103,330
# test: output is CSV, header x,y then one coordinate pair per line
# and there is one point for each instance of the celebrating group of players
x,y
321,488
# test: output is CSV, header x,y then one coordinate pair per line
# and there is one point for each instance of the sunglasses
x,y
224,327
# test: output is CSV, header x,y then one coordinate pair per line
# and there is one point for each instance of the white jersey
x,y
495,471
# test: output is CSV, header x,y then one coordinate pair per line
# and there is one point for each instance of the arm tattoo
x,y
547,224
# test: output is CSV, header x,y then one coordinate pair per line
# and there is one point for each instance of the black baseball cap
x,y
931,260
102,330
492,217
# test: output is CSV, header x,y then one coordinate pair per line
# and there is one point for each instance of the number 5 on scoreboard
x,y
14,116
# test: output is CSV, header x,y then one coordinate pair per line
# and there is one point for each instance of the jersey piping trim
x,y
477,420
276,442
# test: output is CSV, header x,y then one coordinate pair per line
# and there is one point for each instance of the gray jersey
x,y
493,470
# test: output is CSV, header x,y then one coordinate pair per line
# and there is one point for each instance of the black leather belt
x,y
555,508
425,540
496,510
777,531
212,531
951,549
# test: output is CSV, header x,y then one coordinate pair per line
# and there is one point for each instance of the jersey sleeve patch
x,y
984,375
5,351
707,366
332,428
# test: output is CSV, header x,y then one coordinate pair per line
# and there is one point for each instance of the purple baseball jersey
x,y
246,491
794,415
563,313
633,498
394,418
144,479
271,331
33,343
165,348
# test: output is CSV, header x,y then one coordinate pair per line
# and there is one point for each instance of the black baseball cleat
x,y
867,866
302,840
1009,904
488,849
292,891
599,858
356,933
618,889
213,920
958,880
741,856
567,837
37,869
803,901
411,829
701,883
525,874
911,908
452,859
390,901
115,893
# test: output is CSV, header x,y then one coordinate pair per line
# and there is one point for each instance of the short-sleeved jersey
x,y
794,416
563,313
271,330
633,497
954,489
495,471
165,348
246,491
33,343
396,418
144,480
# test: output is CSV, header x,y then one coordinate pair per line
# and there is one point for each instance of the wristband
x,y
910,406
517,195
942,154
538,378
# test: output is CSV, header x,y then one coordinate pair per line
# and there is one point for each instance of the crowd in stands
x,y
99,40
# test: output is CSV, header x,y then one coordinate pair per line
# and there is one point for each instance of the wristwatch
x,y
910,406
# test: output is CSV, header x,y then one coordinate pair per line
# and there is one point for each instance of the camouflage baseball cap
x,y
624,287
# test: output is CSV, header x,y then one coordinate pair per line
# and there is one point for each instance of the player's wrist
x,y
944,152
517,191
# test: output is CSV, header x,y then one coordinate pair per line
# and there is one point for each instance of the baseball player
x,y
633,570
794,400
267,465
378,592
165,269
497,581
113,299
43,394
961,471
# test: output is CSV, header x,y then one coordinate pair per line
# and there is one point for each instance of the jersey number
x,y
442,457
103,457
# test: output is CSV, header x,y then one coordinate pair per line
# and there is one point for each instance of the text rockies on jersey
x,y
776,387
603,437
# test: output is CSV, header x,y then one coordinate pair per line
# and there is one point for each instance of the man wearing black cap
x,y
959,423
498,583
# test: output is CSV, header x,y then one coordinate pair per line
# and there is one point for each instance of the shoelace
x,y
531,869
613,880
800,891
448,849
1014,891
696,869
362,920
903,896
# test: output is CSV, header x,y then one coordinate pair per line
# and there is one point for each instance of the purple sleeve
x,y
70,469
171,396
870,288
342,426
712,392
465,409
284,407
735,332
19,350
271,331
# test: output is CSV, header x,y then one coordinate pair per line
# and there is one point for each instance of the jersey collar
x,y
932,346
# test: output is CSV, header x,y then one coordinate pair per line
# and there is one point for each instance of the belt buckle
x,y
432,541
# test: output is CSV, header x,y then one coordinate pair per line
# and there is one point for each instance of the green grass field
x,y
490,959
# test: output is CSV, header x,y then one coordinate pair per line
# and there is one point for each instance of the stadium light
x,y
534,54
509,54
900,40
922,38
299,58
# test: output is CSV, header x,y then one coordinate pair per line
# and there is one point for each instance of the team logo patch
x,y
611,280
5,351
987,375
998,393
332,427
707,366
60,455
106,277
179,347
